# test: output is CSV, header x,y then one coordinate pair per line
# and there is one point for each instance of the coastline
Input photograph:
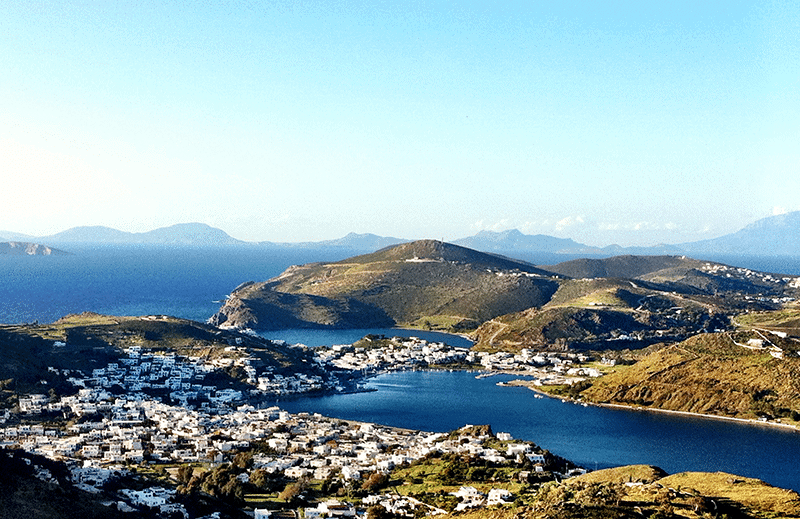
x,y
749,421
459,335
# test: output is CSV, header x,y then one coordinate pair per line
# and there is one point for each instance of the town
x,y
158,409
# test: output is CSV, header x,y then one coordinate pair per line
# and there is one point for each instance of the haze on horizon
x,y
605,122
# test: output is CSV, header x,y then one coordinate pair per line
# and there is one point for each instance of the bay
x,y
192,282
318,338
593,437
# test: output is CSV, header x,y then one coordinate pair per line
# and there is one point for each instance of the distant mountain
x,y
16,248
89,234
16,236
514,240
353,241
516,244
189,234
198,234
772,236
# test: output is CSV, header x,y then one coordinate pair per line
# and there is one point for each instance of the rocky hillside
x,y
409,284
17,248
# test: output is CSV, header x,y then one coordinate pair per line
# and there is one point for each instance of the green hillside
x,y
603,313
87,341
410,283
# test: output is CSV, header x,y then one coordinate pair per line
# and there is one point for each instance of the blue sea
x,y
192,283
183,282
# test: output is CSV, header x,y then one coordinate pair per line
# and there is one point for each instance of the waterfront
x,y
594,437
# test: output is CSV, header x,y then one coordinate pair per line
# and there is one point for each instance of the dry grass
x,y
751,493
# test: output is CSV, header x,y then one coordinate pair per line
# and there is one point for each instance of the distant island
x,y
772,236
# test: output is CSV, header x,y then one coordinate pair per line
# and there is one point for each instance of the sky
x,y
633,123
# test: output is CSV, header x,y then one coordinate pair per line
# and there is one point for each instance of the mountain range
x,y
773,236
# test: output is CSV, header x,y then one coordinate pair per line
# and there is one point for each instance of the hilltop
x,y
588,303
410,284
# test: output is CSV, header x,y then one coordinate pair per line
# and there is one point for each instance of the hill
x,y
410,283
631,302
734,374
626,266
87,341
619,302
15,248
602,314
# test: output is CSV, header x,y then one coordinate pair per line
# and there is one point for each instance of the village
x,y
107,432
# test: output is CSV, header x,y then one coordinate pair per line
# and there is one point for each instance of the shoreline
x,y
749,421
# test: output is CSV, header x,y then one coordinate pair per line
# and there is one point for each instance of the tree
x,y
375,481
292,491
243,460
184,474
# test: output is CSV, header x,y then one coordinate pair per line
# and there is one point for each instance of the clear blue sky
x,y
607,122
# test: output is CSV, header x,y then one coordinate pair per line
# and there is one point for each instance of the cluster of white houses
x,y
411,353
112,428
136,428
145,370
399,353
